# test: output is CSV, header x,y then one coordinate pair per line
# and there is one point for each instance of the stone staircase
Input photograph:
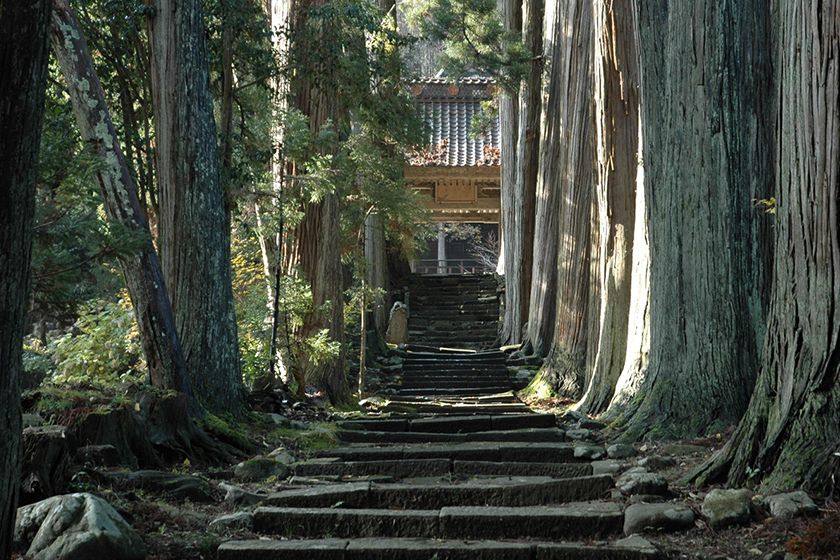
x,y
454,467
447,310
484,485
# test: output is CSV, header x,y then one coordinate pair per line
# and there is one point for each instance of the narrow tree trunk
x,y
194,235
141,269
527,160
376,268
790,433
510,226
560,284
24,25
705,86
617,94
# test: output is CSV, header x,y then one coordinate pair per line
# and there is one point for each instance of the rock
x,y
621,451
397,332
98,455
790,504
239,521
642,482
32,419
635,542
723,508
278,419
238,496
571,416
178,486
579,435
46,463
656,463
657,517
282,456
590,424
76,527
606,467
259,469
589,451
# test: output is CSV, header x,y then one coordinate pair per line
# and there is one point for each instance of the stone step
x,y
466,391
453,380
453,424
405,406
424,549
424,354
575,520
396,469
538,452
437,468
499,491
532,435
427,399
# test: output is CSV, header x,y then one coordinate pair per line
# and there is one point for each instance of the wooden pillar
x,y
441,249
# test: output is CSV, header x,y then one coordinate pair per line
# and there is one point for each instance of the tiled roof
x,y
448,108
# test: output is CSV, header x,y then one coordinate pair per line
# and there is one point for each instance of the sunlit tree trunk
x,y
316,244
194,232
141,268
511,203
560,281
24,25
617,94
705,99
789,435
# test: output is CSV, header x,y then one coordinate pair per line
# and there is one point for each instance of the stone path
x,y
456,467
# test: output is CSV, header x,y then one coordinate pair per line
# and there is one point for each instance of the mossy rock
x,y
259,469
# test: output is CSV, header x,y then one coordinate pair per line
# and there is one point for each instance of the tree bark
x,y
194,233
789,435
24,25
141,268
316,241
510,226
617,95
705,91
561,280
376,268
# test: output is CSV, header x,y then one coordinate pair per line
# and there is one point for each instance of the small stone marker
x,y
397,332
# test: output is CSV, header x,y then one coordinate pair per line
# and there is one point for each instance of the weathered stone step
x,y
531,435
424,549
575,520
495,399
397,469
455,356
447,408
437,391
453,424
505,491
447,368
539,452
453,380
437,467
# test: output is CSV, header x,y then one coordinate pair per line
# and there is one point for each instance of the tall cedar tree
x,y
194,227
23,66
789,435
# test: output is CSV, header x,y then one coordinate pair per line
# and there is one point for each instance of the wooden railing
x,y
450,266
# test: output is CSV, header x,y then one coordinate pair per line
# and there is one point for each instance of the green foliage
x,y
103,346
474,37
319,435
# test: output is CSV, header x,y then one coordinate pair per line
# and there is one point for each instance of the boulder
x,y
46,463
621,451
32,420
589,451
239,521
790,504
282,455
579,434
397,332
723,508
635,542
607,466
657,517
76,527
259,469
590,424
238,496
639,481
